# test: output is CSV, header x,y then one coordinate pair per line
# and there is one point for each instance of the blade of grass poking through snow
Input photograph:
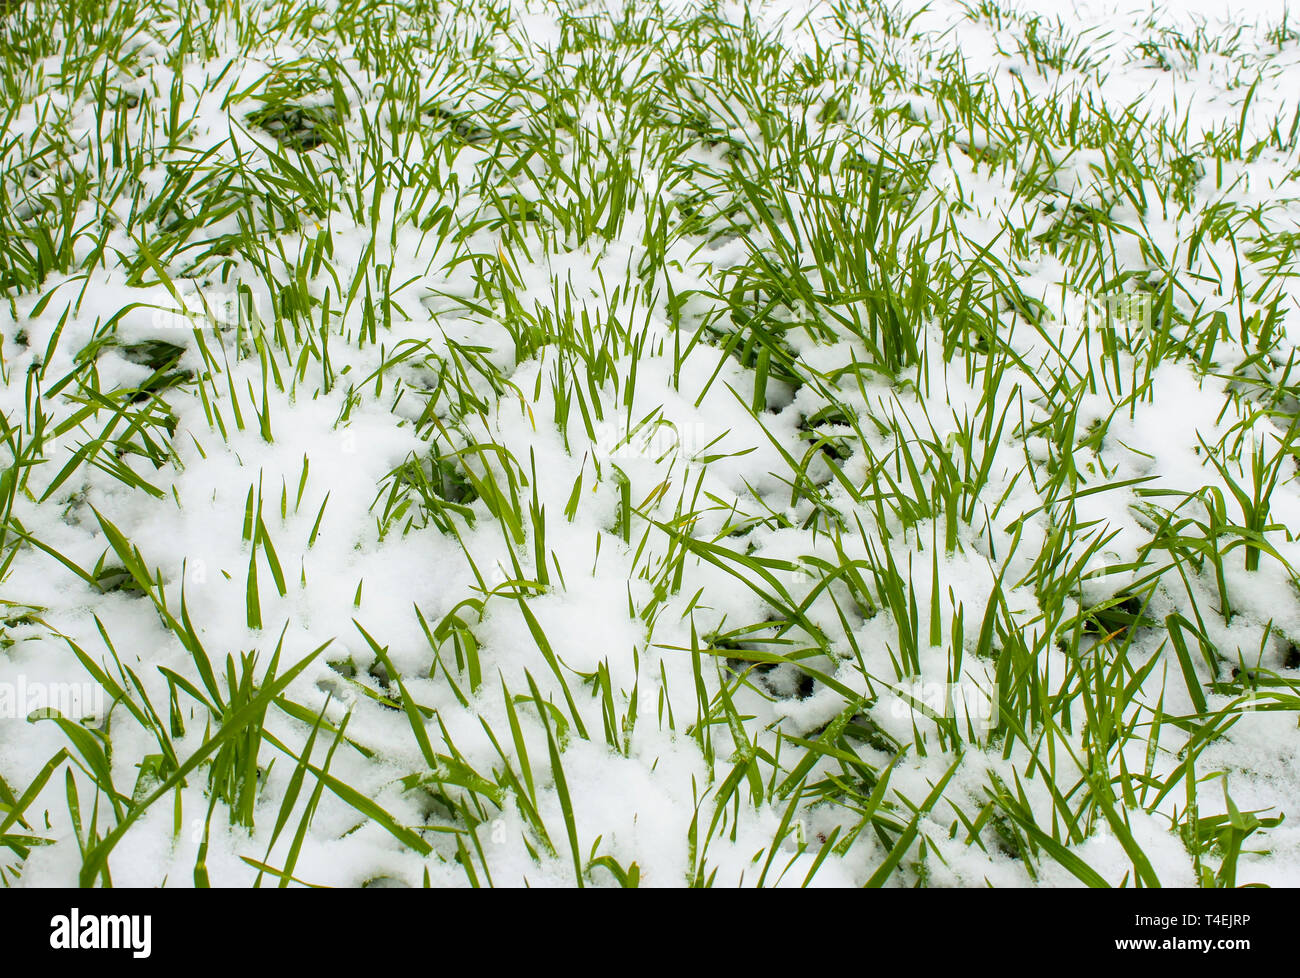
x,y
561,784
413,714
234,725
291,797
16,811
1179,642
365,806
904,842
544,646
1055,849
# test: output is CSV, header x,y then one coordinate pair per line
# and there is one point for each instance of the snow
x,y
627,615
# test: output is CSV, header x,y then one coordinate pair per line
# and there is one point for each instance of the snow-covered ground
x,y
582,444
